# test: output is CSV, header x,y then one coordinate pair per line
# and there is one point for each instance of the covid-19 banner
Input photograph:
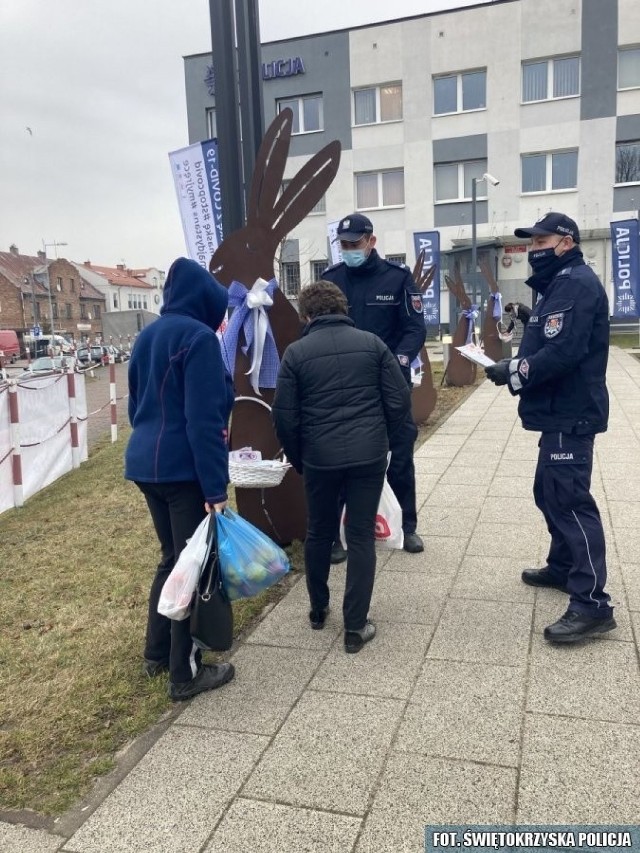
x,y
430,242
625,244
197,180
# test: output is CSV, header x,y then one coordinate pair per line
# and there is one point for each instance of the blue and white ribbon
x,y
471,314
250,315
497,305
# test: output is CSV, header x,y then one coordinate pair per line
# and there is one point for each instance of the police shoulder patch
x,y
523,368
416,303
404,360
553,324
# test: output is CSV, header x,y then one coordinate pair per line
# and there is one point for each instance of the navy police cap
x,y
552,223
353,227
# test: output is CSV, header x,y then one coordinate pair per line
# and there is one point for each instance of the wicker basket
x,y
257,475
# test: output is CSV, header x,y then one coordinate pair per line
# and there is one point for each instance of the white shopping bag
x,y
388,530
178,589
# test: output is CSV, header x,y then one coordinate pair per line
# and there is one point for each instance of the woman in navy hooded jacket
x,y
180,399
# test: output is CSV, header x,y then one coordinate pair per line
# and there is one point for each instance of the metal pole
x,y
249,70
223,43
474,237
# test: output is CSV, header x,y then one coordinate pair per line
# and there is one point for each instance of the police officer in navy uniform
x,y
559,376
383,299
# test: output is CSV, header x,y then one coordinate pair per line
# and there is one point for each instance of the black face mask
x,y
543,261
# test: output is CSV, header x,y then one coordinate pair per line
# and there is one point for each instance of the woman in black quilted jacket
x,y
339,395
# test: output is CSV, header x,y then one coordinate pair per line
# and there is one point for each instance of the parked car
x,y
99,354
46,364
83,355
9,345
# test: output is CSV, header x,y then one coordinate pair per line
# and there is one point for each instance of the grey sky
x,y
100,84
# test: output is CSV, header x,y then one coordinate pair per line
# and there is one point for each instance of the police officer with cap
x,y
559,376
383,299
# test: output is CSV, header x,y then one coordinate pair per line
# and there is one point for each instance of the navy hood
x,y
191,290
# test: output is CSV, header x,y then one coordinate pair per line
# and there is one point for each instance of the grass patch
x,y
626,341
77,565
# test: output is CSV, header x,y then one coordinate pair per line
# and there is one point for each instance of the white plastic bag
x,y
388,530
178,589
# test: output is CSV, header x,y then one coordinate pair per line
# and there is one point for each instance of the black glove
x,y
498,373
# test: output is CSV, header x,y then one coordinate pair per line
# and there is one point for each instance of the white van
x,y
42,344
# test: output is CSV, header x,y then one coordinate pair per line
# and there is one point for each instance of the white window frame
x,y
285,284
379,175
549,172
377,89
459,94
212,125
625,49
325,264
634,142
301,99
550,78
481,195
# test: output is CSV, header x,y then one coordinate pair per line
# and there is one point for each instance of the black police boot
x,y
338,554
574,626
413,543
317,618
209,677
542,577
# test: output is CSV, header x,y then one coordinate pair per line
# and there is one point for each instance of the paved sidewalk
x,y
458,712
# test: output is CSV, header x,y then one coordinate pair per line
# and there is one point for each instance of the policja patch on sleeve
x,y
553,325
416,303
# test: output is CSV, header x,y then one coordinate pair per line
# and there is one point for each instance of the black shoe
x,y
153,668
209,677
413,543
317,618
338,554
574,626
355,640
542,577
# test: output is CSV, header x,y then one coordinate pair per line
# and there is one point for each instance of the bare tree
x,y
628,163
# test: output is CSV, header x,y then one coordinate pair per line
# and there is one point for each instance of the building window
x,y
547,172
115,300
83,311
96,311
378,104
453,180
144,304
546,79
59,283
68,310
290,277
212,128
628,163
317,268
307,113
397,259
38,315
130,303
457,93
54,310
319,207
72,282
629,67
380,189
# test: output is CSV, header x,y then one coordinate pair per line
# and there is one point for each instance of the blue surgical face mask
x,y
354,257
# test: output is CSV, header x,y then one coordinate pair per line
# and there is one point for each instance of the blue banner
x,y
210,153
430,242
625,250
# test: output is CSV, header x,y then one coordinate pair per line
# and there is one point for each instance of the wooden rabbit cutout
x,y
424,396
244,256
460,371
491,342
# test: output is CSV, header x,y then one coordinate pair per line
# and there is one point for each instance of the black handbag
x,y
211,614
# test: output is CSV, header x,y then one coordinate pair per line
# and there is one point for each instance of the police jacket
x,y
338,395
383,299
562,361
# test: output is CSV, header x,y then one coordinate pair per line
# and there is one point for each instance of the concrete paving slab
x,y
579,771
625,514
416,791
449,520
516,468
496,540
631,574
158,806
268,682
328,753
468,495
467,711
20,839
511,487
486,458
620,470
484,632
627,544
491,579
618,490
431,450
251,825
519,511
387,666
590,680
430,466
461,475
441,555
411,597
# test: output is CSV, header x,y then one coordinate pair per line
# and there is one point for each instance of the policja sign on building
x,y
625,243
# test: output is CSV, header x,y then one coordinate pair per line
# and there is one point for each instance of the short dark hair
x,y
322,297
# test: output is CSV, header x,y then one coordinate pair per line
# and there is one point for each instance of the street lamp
x,y
474,222
55,245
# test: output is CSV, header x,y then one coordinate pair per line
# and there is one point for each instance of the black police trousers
x,y
401,472
561,489
176,510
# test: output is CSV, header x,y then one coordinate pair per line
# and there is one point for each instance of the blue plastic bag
x,y
249,560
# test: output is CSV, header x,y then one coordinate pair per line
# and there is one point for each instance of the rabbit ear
x,y
417,270
305,190
269,169
489,277
426,278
